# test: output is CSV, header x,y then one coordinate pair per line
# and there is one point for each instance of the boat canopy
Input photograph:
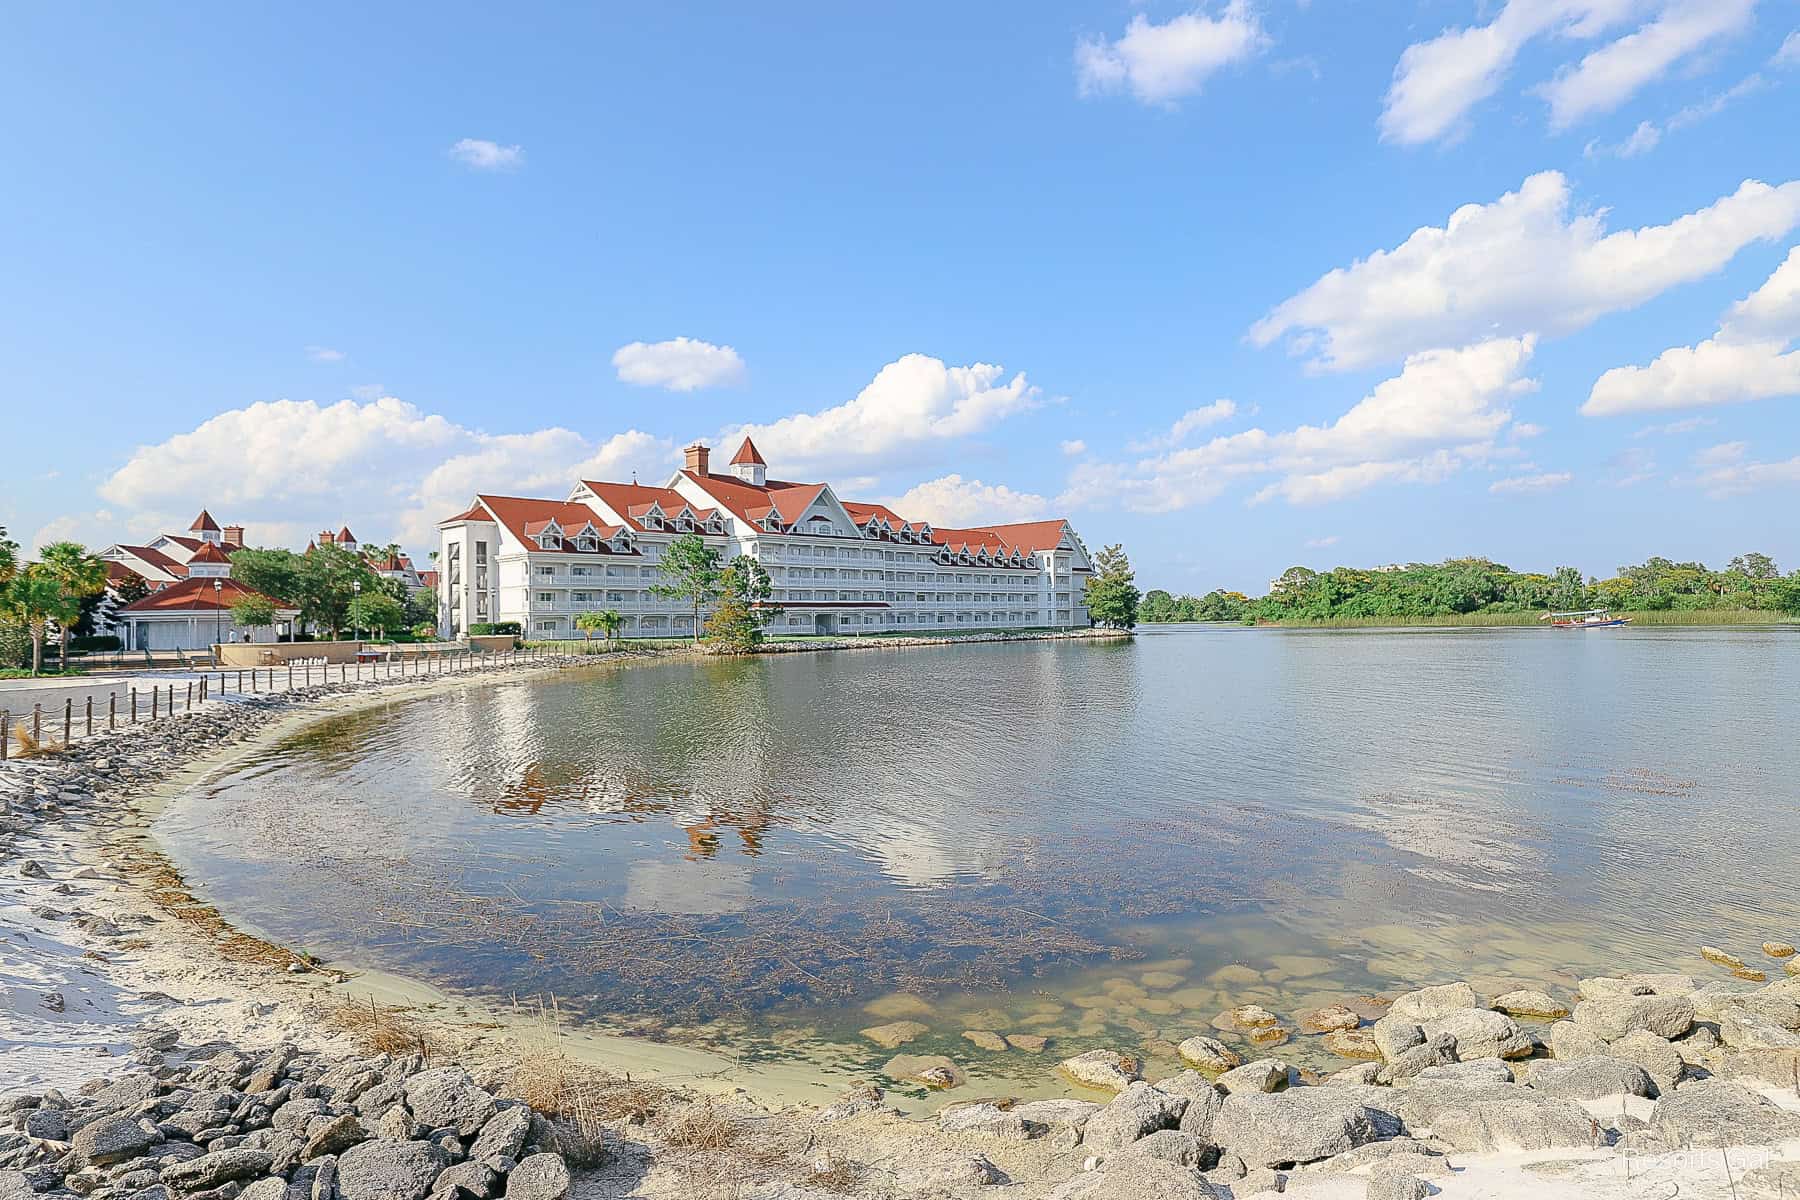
x,y
1586,612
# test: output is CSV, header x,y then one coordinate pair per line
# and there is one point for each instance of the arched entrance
x,y
822,623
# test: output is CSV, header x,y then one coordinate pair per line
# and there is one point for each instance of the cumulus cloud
x,y
1645,138
1524,263
286,468
914,402
1437,82
1547,481
324,354
1190,422
680,364
957,502
1162,63
483,155
1444,411
1614,73
1789,54
1525,429
1322,543
1074,447
1751,357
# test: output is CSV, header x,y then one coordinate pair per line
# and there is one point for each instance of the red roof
x,y
863,512
203,523
428,579
118,572
198,595
210,553
186,543
1032,535
526,518
751,503
747,453
473,513
344,535
632,500
157,559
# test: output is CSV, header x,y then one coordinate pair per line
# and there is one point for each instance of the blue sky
x,y
1187,275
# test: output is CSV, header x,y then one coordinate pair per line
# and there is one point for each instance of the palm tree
x,y
611,620
34,598
587,622
79,574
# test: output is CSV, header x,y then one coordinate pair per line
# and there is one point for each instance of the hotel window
x,y
546,572
547,597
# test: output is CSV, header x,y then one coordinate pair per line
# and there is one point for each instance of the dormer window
x,y
549,541
586,542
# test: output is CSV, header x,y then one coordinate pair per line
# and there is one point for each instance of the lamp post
x,y
356,594
218,611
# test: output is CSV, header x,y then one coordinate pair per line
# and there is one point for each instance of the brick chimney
x,y
234,536
697,455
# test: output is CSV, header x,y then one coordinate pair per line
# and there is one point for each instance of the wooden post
x,y
155,699
112,711
90,716
68,715
190,698
290,686
5,720
134,706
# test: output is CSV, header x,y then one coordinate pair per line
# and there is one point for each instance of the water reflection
x,y
788,837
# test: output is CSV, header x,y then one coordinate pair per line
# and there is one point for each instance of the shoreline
x,y
1650,619
118,958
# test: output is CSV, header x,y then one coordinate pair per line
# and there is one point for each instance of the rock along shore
x,y
247,1082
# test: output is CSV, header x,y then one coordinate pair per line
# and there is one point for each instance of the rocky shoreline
x,y
250,1078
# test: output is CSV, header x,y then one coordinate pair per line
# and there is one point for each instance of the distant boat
x,y
1592,618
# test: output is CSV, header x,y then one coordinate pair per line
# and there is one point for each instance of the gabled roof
x,y
751,503
204,523
209,553
344,535
633,501
747,453
863,513
526,518
473,513
199,595
1031,535
157,559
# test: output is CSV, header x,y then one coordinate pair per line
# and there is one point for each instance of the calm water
x,y
1106,843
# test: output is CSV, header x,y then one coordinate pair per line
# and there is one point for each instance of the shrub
x,y
103,641
486,628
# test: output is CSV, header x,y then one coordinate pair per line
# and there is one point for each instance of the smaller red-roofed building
x,y
195,613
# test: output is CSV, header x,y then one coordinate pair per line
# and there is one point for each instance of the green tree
x,y
691,572
81,576
34,598
1159,607
1112,593
274,573
253,612
331,578
607,620
1568,592
588,623
744,610
375,611
9,557
424,631
1785,594
1755,566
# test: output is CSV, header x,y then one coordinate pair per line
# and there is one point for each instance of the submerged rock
x,y
1530,1004
895,1034
1107,1069
1434,1002
1209,1054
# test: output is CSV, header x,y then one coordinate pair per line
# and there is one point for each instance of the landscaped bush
x,y
102,641
486,628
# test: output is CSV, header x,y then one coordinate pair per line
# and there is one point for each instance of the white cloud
x,y
1443,412
1162,63
287,468
368,391
1547,481
1789,54
957,502
1523,263
1525,429
1749,358
1322,543
1726,470
1074,447
913,402
1676,428
484,155
1437,82
1631,466
1612,74
324,354
1193,420
680,364
1645,138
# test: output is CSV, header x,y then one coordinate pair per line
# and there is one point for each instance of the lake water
x,y
1107,843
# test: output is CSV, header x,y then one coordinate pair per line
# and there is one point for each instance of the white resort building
x,y
838,566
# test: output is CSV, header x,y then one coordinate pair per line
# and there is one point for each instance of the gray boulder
x,y
51,1124
986,1119
1433,1002
113,1140
1717,1113
1394,1036
447,1098
1481,1033
1479,1070
476,1180
272,1188
540,1177
1612,1017
1592,1078
1263,1075
1440,1051
1298,1125
211,1170
1169,1145
1514,1120
1396,1184
1569,1040
1743,1029
1056,1114
334,1136
504,1135
15,1186
1137,1178
1202,1110
1657,1056
384,1170
1138,1110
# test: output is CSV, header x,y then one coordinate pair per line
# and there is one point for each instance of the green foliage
x,y
253,612
82,577
606,620
495,629
424,631
1112,593
321,583
101,642
375,611
744,611
34,599
9,557
1467,587
130,590
691,572
272,572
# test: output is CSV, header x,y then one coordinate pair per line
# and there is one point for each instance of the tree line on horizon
x,y
1479,585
